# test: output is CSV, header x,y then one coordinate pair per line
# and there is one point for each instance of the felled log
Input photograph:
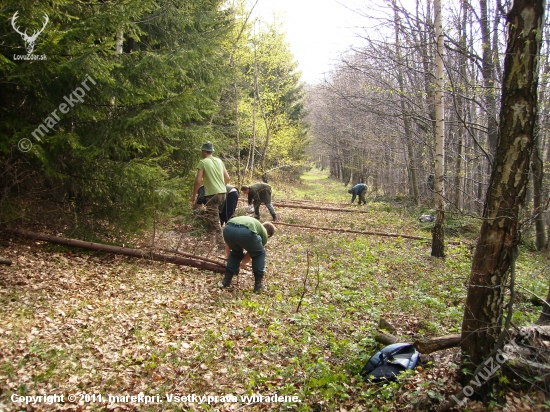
x,y
330,209
423,346
426,346
384,338
190,255
137,253
312,203
5,261
527,368
361,232
385,325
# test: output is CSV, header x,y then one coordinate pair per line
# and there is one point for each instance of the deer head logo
x,y
29,40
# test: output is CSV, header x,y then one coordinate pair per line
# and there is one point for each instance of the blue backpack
x,y
389,362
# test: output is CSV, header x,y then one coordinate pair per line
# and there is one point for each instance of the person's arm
x,y
198,181
353,195
227,251
226,177
250,197
245,260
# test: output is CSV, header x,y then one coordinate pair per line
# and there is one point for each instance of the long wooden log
x,y
331,209
451,341
190,255
385,338
361,232
137,253
423,346
312,202
426,346
5,261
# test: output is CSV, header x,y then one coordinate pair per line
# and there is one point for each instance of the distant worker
x,y
230,204
212,173
360,190
259,193
246,233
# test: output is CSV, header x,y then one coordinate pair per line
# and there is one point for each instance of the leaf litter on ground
x,y
76,322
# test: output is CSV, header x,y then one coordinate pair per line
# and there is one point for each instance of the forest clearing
x,y
81,322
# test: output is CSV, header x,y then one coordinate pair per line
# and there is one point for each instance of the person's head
x,y
349,191
245,189
207,149
270,228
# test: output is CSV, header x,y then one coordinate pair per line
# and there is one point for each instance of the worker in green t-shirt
x,y
212,174
246,233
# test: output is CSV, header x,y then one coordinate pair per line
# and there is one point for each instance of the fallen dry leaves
x,y
75,322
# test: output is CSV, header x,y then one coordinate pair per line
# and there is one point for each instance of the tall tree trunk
x,y
119,42
499,237
238,131
460,103
537,164
488,71
438,234
538,203
254,113
411,166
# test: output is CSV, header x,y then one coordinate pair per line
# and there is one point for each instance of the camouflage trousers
x,y
213,208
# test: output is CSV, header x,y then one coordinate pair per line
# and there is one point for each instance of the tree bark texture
x,y
538,202
488,70
499,236
426,346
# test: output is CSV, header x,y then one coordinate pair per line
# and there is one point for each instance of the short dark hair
x,y
244,188
270,228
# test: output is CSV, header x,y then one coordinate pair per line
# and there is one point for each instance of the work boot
x,y
274,216
226,279
258,285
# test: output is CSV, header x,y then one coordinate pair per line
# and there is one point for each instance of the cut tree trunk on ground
x,y
137,253
5,261
385,338
426,346
192,256
319,203
361,232
330,209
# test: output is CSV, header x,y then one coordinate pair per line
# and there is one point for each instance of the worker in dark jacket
x,y
360,190
245,233
259,193
230,204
